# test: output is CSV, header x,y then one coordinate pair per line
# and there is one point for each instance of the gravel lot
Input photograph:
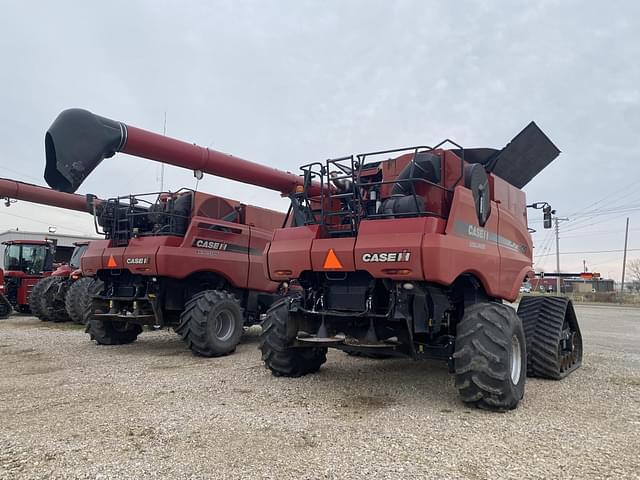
x,y
71,409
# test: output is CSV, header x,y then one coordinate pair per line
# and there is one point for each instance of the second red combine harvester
x,y
187,260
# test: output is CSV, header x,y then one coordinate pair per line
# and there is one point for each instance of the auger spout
x,y
78,141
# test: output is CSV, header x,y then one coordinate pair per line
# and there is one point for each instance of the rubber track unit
x,y
483,356
543,319
78,300
282,360
37,300
112,333
195,328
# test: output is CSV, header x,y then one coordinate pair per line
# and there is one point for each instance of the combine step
x,y
554,341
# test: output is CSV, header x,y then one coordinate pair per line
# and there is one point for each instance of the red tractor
x,y
186,260
25,263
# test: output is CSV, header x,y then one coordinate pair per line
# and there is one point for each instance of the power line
x,y
594,252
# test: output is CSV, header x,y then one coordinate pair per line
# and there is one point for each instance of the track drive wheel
x,y
490,357
554,341
79,298
53,299
107,332
282,360
211,323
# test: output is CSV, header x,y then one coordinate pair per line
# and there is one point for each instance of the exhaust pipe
x,y
78,141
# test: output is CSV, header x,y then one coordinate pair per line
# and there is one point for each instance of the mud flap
x,y
552,334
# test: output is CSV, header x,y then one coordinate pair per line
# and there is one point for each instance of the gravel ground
x,y
71,409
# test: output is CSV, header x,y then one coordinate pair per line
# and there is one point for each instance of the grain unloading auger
x,y
33,283
404,252
187,260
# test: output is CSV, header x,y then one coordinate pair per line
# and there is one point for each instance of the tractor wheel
x,y
554,341
52,300
79,298
36,299
282,360
107,332
211,323
5,307
490,357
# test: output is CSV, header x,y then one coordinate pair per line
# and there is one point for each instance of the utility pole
x,y
624,257
557,221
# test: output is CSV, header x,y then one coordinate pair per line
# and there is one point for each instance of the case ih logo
x,y
137,261
402,256
209,244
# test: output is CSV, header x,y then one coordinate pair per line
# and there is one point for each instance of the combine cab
x,y
186,260
413,253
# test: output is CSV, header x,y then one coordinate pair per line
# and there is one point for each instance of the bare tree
x,y
633,266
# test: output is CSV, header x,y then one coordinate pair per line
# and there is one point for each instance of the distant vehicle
x,y
525,288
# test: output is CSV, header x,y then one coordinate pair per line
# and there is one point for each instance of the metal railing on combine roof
x,y
347,173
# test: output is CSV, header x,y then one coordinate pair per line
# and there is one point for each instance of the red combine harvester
x,y
413,256
43,292
52,299
187,260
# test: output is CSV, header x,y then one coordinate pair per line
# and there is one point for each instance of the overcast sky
x,y
285,83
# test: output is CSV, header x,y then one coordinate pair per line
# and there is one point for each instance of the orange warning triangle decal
x,y
111,262
332,260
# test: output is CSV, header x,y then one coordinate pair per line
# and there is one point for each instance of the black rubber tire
x,y
37,300
52,302
483,356
5,307
107,332
547,320
78,299
282,360
205,314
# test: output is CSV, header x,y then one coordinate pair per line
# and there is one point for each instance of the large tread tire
x,y
52,301
554,341
107,332
490,357
37,299
282,360
79,298
5,307
212,323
